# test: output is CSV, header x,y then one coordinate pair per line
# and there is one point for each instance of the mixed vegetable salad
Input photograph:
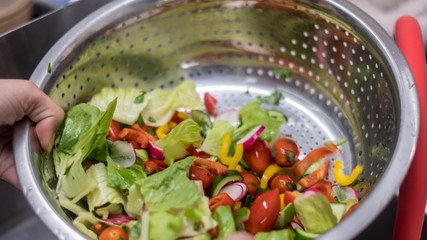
x,y
163,164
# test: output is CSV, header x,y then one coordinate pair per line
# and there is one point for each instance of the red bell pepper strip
x,y
325,188
114,131
316,176
150,137
313,157
289,197
160,163
214,166
151,167
222,199
134,135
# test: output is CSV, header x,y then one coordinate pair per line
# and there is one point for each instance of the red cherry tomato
x,y
202,174
114,131
263,212
258,156
251,181
113,233
283,183
222,199
287,151
210,103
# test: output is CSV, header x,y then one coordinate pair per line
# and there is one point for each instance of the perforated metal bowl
x,y
348,80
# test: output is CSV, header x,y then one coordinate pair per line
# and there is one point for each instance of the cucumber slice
x,y
277,115
244,164
285,216
203,119
240,217
339,209
221,180
303,235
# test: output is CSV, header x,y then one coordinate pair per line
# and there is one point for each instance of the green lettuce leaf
x,y
252,116
164,225
213,141
315,213
284,234
168,189
74,183
130,103
163,103
78,139
121,177
102,194
79,120
176,142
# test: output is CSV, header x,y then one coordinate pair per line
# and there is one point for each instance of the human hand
x,y
20,98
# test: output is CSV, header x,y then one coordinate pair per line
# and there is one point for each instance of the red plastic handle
x,y
413,191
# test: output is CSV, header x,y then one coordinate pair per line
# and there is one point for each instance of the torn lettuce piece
x,y
163,103
213,141
84,223
164,190
74,183
123,178
253,115
130,103
80,119
176,142
315,213
101,193
284,234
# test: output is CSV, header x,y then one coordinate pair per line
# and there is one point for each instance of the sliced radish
x,y
232,116
236,190
119,219
295,225
343,193
123,154
251,136
155,151
310,191
121,216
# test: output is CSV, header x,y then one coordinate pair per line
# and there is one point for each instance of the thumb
x,y
24,98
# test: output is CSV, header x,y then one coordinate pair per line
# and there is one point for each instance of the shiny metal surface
x,y
348,80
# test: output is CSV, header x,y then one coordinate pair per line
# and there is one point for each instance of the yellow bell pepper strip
x,y
237,205
172,125
282,201
238,154
342,179
223,150
162,131
269,173
182,115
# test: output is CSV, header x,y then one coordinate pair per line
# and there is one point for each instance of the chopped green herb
x,y
151,119
247,92
49,68
272,99
282,72
140,98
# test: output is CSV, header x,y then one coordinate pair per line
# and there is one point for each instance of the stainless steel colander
x,y
345,79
